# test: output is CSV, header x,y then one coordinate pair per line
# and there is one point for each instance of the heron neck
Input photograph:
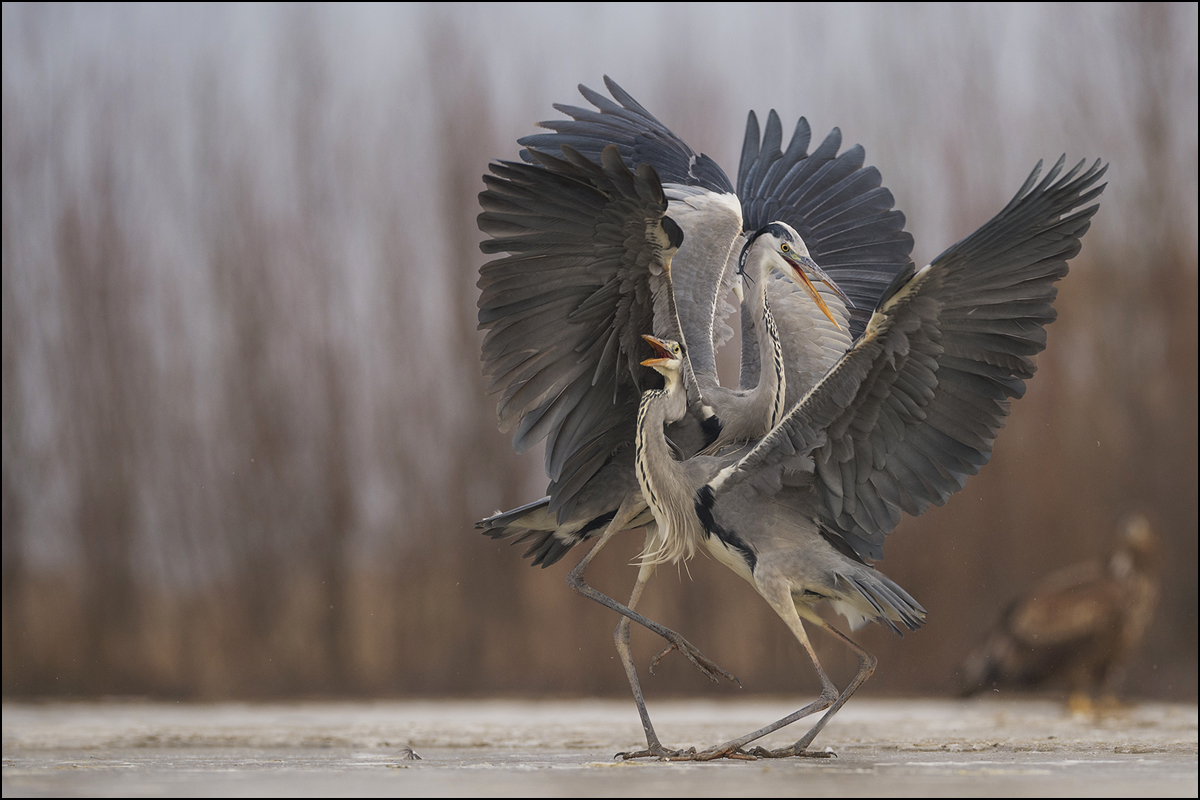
x,y
691,393
663,406
660,476
763,373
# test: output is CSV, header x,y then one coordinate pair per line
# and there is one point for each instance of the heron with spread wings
x,y
614,227
897,424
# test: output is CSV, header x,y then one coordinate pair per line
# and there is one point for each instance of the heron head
x,y
786,252
668,355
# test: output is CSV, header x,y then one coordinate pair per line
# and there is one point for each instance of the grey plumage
x,y
589,270
913,407
559,345
898,423
587,260
837,205
830,199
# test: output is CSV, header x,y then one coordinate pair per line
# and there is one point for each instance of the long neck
x,y
692,395
763,375
660,477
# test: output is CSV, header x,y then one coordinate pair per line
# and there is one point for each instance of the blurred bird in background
x,y
1079,625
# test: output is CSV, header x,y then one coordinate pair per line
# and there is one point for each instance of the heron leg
x,y
866,666
624,515
781,601
654,748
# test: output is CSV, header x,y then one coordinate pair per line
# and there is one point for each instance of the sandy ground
x,y
517,748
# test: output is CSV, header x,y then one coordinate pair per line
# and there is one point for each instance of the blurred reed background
x,y
244,431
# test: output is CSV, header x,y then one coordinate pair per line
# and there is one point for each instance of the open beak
x,y
662,352
804,263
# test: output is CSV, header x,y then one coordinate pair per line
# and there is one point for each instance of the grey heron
x,y
898,423
563,311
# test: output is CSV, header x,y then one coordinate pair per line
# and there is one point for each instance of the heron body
x,y
868,389
564,309
897,424
756,406
828,201
784,537
587,272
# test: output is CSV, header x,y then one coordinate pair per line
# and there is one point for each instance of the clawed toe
x,y
702,662
736,754
683,755
732,753
789,752
662,655
661,753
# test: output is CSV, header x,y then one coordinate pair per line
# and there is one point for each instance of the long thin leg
x,y
866,666
654,748
781,601
575,580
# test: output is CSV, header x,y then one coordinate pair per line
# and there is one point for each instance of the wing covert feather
x,y
587,256
635,132
837,205
702,203
913,408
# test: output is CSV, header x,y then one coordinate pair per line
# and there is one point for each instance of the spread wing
x,y
636,133
588,251
837,205
913,408
701,198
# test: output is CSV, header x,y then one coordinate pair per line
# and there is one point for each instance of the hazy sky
x,y
954,104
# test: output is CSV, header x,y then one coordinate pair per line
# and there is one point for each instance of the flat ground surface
x,y
519,748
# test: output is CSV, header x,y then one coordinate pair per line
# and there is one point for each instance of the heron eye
x,y
785,247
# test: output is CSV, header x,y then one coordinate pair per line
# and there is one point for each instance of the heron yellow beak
x,y
800,266
662,351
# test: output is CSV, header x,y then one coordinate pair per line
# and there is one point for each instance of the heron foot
x,y
788,752
690,754
701,661
732,753
659,752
